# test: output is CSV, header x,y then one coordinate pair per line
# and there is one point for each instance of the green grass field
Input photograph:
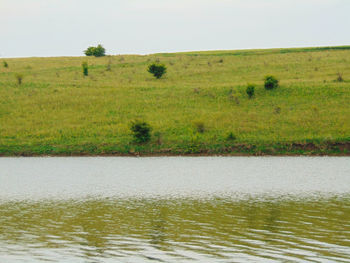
x,y
58,111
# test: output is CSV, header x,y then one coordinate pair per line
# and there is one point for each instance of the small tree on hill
x,y
98,51
271,82
141,131
158,70
89,51
85,67
250,90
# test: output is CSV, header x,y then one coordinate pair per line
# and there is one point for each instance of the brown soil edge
x,y
289,149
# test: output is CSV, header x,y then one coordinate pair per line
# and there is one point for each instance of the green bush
x,y
19,78
271,83
141,131
98,51
89,51
231,137
250,90
85,67
158,70
5,64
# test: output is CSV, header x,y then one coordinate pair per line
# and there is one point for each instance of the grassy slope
x,y
58,111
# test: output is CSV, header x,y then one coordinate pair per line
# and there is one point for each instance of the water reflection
x,y
283,228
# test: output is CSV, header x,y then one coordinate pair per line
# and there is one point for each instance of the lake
x,y
175,209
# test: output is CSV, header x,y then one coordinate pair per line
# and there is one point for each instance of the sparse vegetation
x,y
109,66
277,110
250,90
200,126
19,78
141,131
340,77
85,67
158,136
196,90
158,70
56,111
271,83
98,51
231,137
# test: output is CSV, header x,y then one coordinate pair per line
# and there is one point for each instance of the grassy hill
x,y
58,111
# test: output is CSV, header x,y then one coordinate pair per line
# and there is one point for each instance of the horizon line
x,y
345,46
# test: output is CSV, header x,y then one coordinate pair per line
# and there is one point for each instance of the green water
x,y
135,210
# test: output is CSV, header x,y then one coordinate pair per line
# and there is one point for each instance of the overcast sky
x,y
67,27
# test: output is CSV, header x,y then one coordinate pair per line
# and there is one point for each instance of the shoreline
x,y
174,155
236,150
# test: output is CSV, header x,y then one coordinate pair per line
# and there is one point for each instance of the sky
x,y
67,27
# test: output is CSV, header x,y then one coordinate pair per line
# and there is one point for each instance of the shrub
x,y
5,64
141,131
98,51
232,95
250,90
85,67
19,78
158,70
200,126
277,110
89,51
231,137
340,77
271,82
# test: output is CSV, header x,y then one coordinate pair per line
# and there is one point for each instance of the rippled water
x,y
175,209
